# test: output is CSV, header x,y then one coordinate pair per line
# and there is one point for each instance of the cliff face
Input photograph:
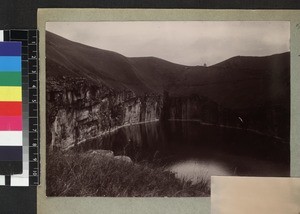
x,y
269,119
198,108
77,111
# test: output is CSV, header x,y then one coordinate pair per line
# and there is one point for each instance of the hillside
x,y
238,83
93,90
66,58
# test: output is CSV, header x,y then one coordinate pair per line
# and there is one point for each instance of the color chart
x,y
19,108
10,108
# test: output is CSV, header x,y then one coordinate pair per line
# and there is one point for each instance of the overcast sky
x,y
188,43
254,195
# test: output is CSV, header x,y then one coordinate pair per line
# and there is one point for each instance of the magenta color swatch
x,y
10,123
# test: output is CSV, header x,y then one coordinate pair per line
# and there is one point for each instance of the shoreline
x,y
230,127
114,129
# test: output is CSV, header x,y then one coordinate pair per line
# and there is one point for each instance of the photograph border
x,y
157,205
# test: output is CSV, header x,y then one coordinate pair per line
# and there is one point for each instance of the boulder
x,y
102,152
123,158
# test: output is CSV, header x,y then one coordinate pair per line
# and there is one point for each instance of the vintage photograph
x,y
236,195
155,108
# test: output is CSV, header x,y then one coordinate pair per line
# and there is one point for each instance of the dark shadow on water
x,y
193,151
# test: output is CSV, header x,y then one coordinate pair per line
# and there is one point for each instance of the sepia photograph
x,y
236,195
155,108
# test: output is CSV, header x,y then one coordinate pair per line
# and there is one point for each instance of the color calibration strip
x,y
29,106
10,110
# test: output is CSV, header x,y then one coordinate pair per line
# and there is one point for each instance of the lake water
x,y
194,151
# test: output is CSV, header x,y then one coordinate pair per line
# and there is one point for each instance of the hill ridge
x,y
238,82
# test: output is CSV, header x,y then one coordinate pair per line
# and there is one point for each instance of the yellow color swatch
x,y
9,93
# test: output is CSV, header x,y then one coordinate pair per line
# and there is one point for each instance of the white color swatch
x,y
11,138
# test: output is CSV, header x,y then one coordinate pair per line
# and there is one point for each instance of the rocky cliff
x,y
272,120
78,111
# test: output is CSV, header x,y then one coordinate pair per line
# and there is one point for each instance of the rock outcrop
x,y
77,111
123,158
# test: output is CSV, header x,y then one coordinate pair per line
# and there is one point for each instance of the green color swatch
x,y
10,78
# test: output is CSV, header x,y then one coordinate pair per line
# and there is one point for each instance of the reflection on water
x,y
193,151
196,170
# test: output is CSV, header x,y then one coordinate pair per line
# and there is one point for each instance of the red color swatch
x,y
10,108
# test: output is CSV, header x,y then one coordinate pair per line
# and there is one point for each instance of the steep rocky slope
x,y
77,110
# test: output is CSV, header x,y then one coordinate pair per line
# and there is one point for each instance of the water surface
x,y
194,151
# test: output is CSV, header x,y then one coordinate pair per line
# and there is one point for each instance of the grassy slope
x,y
242,82
86,175
237,83
96,65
